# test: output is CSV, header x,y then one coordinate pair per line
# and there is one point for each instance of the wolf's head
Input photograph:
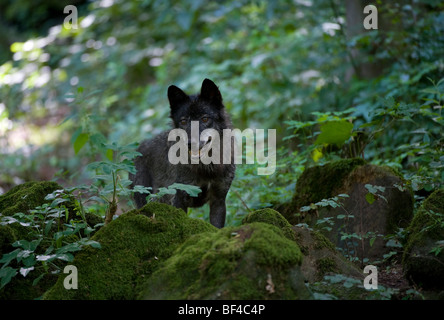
x,y
205,108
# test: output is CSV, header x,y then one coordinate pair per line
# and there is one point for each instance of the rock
x,y
132,248
423,258
22,198
317,183
356,218
272,217
26,196
321,258
160,253
254,261
29,195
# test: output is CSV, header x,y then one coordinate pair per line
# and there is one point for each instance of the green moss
x,y
425,224
427,227
321,257
272,217
317,183
132,247
26,196
7,237
252,261
326,265
23,198
275,251
321,242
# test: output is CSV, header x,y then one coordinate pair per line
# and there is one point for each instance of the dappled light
x,y
341,100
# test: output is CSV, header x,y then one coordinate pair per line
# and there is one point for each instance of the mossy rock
x,y
7,237
362,218
322,182
272,217
26,196
22,198
321,257
422,266
252,261
132,247
317,183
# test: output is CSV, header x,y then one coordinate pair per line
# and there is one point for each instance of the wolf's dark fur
x,y
154,169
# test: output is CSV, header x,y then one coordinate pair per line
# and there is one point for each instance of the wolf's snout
x,y
197,145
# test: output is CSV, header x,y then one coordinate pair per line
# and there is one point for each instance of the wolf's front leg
x,y
217,212
180,201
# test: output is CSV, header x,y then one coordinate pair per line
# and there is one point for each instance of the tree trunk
x,y
364,69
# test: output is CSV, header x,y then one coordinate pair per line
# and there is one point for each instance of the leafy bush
x,y
52,235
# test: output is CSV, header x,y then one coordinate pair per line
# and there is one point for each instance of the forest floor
x,y
392,276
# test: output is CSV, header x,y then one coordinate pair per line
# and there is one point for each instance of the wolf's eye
x,y
183,122
204,119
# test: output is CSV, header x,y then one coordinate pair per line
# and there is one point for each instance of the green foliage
x,y
133,246
193,191
108,183
423,256
338,286
53,235
351,240
372,194
334,132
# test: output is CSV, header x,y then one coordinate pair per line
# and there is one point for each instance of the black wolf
x,y
214,179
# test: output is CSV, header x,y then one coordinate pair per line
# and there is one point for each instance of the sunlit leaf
x,y
370,198
24,271
334,132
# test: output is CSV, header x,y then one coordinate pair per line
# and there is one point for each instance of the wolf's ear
x,y
210,92
176,96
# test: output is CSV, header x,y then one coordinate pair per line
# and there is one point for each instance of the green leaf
x,y
305,208
370,198
93,244
6,274
72,247
28,260
193,191
68,257
45,257
80,141
335,132
37,279
24,244
24,271
98,140
8,257
109,154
